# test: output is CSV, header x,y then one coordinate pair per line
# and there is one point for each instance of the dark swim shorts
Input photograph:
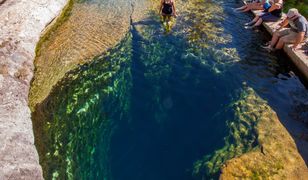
x,y
269,17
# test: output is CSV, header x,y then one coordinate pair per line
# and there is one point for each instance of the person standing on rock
x,y
295,35
167,10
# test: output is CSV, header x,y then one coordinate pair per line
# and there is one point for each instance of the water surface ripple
x,y
168,106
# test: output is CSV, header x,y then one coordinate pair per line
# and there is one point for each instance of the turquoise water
x,y
157,104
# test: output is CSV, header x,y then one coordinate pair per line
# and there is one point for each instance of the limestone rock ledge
x,y
276,157
21,22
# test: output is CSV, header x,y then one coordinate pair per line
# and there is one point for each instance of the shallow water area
x,y
87,29
168,106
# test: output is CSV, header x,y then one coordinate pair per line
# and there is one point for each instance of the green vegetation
x,y
301,5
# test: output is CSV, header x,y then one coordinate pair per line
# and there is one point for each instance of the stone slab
x,y
298,57
21,22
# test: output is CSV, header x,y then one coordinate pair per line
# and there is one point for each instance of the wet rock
x,y
64,59
258,146
88,29
276,157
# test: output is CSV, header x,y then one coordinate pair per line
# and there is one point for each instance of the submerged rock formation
x,y
87,30
258,147
275,157
21,25
82,36
72,127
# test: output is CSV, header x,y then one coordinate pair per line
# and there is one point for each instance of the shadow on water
x,y
170,110
153,106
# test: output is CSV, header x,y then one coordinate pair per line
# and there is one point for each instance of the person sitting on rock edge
x,y
255,5
295,35
272,14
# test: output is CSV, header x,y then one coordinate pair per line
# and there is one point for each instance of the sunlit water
x,y
157,104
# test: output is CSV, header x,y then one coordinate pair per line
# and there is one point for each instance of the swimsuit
x,y
167,8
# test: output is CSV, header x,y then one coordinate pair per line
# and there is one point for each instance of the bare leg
x,y
246,10
168,18
258,23
274,40
253,21
241,8
252,6
163,18
280,44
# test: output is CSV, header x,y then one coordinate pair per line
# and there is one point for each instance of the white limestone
x,y
21,22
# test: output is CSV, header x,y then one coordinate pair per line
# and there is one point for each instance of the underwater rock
x,y
66,51
257,147
275,157
89,29
73,123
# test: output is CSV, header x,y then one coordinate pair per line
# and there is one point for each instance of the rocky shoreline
x,y
275,157
22,23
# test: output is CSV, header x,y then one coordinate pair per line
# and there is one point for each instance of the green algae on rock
x,y
204,39
202,23
242,134
85,30
276,156
258,146
73,142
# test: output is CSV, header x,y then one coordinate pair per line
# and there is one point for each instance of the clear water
x,y
156,104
